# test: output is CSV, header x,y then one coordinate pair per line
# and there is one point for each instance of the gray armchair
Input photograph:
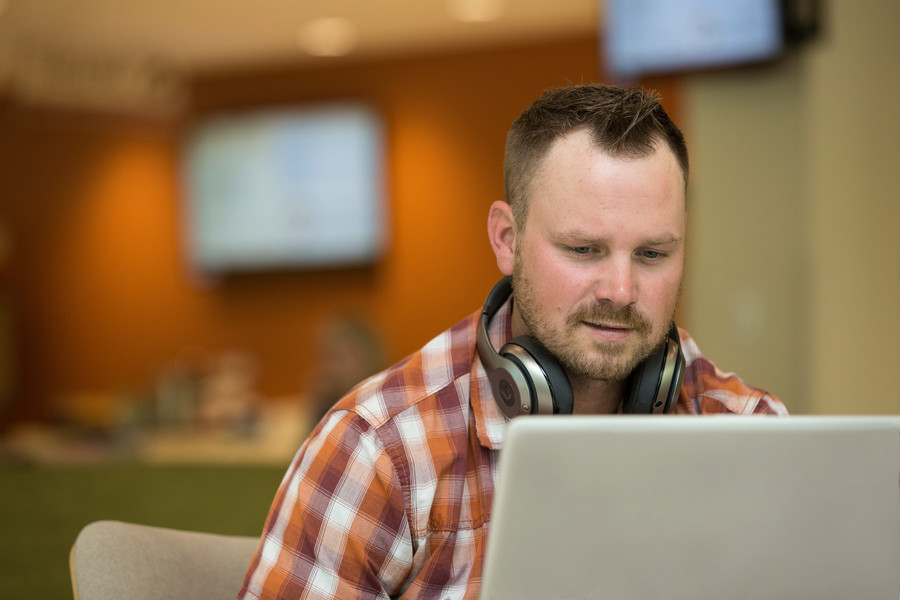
x,y
111,560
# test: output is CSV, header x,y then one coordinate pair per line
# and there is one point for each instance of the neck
x,y
594,397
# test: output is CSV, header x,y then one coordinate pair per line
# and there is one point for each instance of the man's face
x,y
598,266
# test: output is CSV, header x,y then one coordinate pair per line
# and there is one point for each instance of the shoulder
x,y
434,371
403,409
411,422
708,390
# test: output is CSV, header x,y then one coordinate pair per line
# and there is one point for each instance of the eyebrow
x,y
669,238
663,240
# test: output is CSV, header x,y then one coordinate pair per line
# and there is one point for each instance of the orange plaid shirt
x,y
390,497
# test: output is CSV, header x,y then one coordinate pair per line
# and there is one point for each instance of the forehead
x,y
580,182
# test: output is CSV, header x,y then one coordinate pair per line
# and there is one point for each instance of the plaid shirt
x,y
390,497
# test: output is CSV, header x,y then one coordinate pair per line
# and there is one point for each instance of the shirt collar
x,y
490,423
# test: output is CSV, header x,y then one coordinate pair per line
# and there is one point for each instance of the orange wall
x,y
101,297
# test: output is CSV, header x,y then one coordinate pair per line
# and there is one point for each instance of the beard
x,y
591,359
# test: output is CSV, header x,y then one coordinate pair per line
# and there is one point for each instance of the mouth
x,y
609,326
606,324
609,331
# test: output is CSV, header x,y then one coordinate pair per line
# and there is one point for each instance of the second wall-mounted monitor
x,y
657,37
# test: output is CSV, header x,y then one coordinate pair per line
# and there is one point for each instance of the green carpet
x,y
42,509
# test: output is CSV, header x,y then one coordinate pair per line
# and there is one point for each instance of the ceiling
x,y
222,34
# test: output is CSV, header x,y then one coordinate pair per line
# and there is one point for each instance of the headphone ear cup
x,y
644,384
525,377
537,362
656,382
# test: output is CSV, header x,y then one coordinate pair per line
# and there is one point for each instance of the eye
x,y
652,255
581,250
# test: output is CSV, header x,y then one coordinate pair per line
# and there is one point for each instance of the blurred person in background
x,y
348,350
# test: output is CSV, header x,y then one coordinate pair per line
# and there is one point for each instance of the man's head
x,y
593,231
622,122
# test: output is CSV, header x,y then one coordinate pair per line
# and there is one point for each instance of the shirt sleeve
x,y
707,390
338,527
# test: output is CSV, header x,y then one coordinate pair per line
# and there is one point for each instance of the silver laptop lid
x,y
696,507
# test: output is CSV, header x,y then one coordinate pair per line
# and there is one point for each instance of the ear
x,y
502,235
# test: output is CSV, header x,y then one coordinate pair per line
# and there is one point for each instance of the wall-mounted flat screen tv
x,y
656,37
289,188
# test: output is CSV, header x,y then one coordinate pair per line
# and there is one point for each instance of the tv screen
x,y
654,37
293,188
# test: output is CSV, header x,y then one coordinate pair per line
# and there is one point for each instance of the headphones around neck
x,y
527,379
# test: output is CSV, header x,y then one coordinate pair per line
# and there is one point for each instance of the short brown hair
x,y
626,122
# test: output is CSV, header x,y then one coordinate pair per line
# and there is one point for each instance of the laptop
x,y
692,508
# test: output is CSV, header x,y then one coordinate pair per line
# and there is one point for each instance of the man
x,y
390,497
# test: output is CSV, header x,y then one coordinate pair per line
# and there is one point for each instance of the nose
x,y
616,283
